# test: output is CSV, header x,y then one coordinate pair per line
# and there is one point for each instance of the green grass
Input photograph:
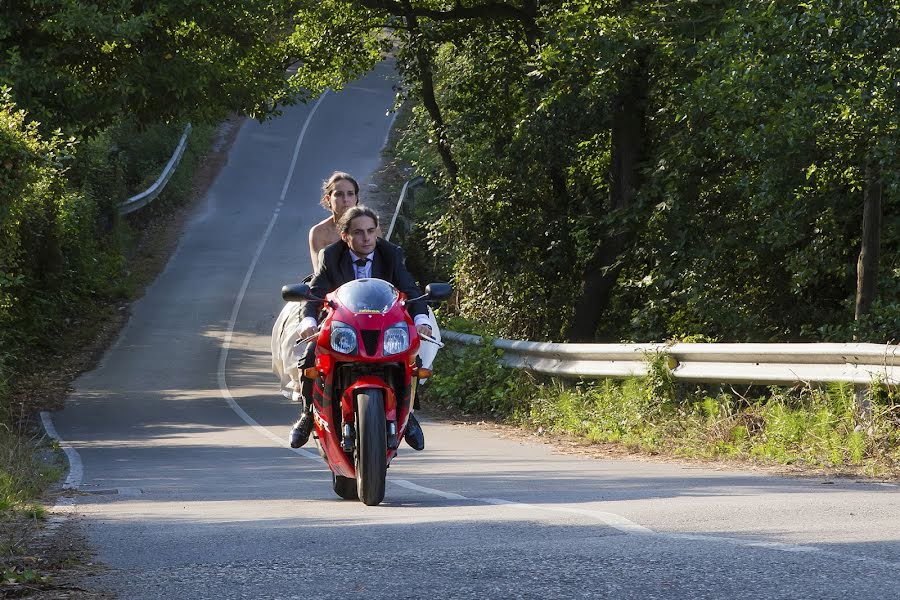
x,y
24,476
808,426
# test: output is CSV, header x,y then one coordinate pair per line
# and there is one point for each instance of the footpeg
x,y
392,441
349,438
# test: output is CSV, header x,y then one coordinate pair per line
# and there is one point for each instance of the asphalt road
x,y
187,488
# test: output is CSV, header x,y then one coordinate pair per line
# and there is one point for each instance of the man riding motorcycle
x,y
359,254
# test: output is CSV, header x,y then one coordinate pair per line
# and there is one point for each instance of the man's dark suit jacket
x,y
336,269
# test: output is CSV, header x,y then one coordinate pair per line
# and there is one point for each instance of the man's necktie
x,y
360,270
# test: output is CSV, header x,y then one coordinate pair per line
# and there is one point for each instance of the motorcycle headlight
x,y
396,339
343,338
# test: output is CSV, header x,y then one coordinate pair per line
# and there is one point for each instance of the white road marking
x,y
229,332
781,547
76,469
626,526
65,506
418,488
612,520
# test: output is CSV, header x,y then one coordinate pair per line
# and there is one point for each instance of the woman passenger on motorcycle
x,y
339,192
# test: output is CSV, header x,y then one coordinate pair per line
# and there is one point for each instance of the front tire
x,y
345,487
371,447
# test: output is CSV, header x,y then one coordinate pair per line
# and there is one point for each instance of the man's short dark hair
x,y
359,210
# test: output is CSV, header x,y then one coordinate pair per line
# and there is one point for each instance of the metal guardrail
x,y
763,364
417,180
769,364
144,198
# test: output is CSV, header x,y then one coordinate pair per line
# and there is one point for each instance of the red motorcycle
x,y
365,379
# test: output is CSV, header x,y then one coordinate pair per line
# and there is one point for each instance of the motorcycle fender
x,y
366,382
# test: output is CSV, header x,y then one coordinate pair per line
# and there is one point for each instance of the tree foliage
x,y
758,178
49,253
754,132
78,65
609,169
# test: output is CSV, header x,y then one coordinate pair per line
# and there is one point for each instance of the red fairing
x,y
369,307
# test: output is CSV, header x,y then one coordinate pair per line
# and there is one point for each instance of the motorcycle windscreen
x,y
372,296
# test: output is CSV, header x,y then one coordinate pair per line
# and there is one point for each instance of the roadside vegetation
x,y
651,172
93,99
811,428
69,264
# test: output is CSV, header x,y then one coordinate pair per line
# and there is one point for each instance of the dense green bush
x,y
63,249
470,378
62,241
50,258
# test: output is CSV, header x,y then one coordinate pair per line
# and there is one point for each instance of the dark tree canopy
x,y
610,169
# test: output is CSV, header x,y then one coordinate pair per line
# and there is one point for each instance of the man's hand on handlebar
x,y
424,329
307,332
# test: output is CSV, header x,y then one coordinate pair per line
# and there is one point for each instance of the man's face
x,y
342,197
362,235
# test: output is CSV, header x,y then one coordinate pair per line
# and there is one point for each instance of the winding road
x,y
186,487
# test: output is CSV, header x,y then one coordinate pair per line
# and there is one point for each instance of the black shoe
x,y
414,435
301,430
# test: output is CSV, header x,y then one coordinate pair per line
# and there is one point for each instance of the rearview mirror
x,y
295,292
438,291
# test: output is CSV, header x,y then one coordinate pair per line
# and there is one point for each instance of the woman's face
x,y
342,197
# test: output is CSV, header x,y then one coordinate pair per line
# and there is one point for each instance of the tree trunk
x,y
602,270
429,99
867,265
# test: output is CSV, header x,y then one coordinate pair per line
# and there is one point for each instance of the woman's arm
x,y
313,248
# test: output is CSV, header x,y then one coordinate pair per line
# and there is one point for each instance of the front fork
x,y
348,436
348,411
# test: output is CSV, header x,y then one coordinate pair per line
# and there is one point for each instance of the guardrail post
x,y
862,396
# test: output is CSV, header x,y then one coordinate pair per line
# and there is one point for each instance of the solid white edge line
x,y
229,332
387,135
64,506
76,468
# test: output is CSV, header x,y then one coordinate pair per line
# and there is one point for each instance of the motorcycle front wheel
x,y
371,447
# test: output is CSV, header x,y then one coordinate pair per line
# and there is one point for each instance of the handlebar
x,y
309,338
428,338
